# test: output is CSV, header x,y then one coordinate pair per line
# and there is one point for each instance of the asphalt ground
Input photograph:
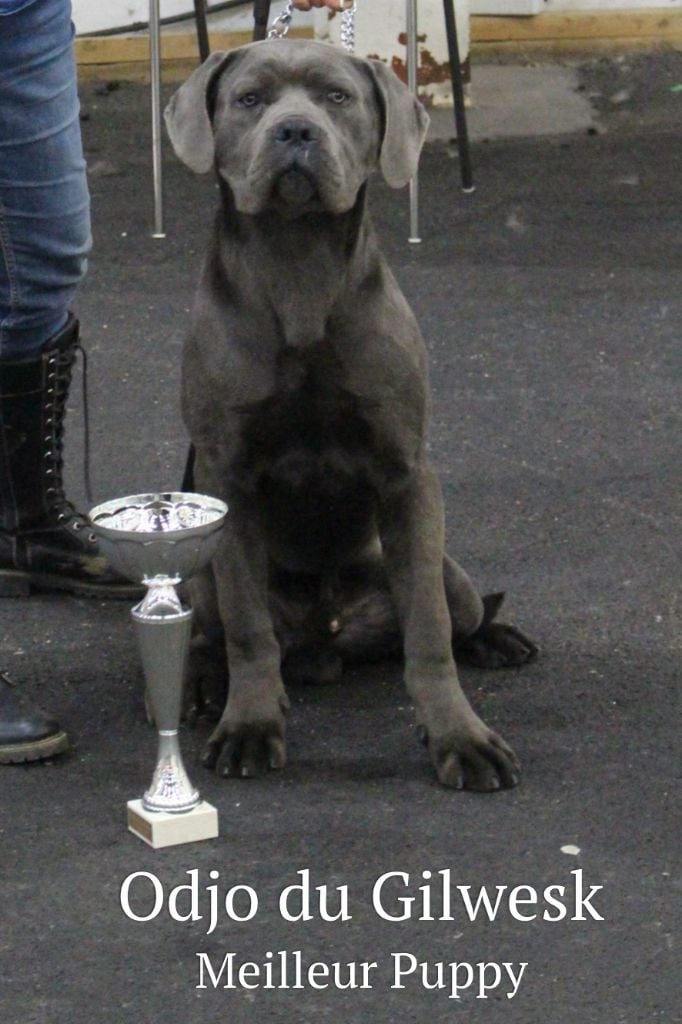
x,y
551,305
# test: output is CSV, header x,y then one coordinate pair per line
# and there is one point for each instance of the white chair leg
x,y
155,74
412,63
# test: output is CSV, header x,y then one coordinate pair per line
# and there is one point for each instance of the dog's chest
x,y
308,457
311,429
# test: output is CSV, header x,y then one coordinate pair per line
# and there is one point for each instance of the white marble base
x,y
159,829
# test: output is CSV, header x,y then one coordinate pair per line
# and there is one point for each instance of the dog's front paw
x,y
248,745
473,758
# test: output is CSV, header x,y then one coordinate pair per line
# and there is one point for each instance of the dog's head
x,y
296,125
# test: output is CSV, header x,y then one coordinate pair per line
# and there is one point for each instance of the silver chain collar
x,y
280,25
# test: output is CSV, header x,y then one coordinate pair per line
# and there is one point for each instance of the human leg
x,y
44,241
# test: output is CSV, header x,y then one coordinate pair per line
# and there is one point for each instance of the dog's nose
x,y
296,131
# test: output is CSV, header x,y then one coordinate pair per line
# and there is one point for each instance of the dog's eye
x,y
248,99
337,96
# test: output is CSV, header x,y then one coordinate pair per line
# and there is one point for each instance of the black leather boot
x,y
26,733
45,543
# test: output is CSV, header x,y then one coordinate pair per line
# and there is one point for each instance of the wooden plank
x,y
174,46
660,23
139,71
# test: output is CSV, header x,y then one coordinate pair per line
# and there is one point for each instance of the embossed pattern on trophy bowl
x,y
171,534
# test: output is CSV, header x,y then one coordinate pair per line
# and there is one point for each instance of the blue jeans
x,y
44,199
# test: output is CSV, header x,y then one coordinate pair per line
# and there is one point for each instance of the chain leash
x,y
348,27
280,25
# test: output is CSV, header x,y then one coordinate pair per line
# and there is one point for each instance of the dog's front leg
x,y
465,752
250,737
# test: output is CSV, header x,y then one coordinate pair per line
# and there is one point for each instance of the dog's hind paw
x,y
247,748
496,644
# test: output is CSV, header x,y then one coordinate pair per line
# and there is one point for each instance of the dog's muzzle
x,y
296,145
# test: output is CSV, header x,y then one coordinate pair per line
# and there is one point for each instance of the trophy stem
x,y
163,628
170,790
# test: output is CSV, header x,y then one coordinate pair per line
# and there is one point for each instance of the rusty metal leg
x,y
261,17
458,96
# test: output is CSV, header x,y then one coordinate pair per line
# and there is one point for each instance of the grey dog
x,y
306,399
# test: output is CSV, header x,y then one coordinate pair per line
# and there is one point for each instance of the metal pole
x,y
261,17
202,29
155,67
412,62
458,96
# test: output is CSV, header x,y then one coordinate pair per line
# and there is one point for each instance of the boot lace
x,y
58,380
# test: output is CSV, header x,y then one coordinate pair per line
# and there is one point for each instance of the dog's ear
x,y
187,118
405,126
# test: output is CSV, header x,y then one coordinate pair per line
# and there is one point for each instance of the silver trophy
x,y
160,540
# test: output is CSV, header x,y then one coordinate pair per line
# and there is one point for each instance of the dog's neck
x,y
298,270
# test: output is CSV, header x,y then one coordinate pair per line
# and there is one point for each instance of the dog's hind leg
x,y
477,638
368,627
346,618
206,681
465,604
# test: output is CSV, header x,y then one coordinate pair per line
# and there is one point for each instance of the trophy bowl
x,y
159,540
171,534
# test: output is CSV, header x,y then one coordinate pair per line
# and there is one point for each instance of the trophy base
x,y
159,829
